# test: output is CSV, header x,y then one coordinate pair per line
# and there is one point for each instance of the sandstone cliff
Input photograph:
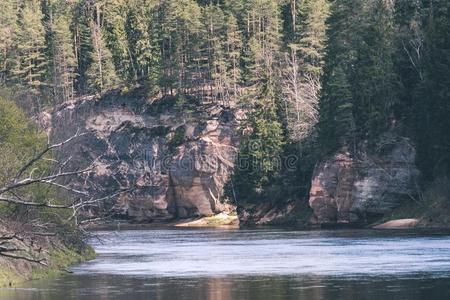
x,y
175,159
358,188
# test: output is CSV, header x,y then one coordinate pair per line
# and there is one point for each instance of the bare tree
x,y
301,94
15,192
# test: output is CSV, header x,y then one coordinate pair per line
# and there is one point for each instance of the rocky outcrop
x,y
356,188
174,159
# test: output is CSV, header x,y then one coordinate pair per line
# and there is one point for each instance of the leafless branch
x,y
301,94
41,154
12,193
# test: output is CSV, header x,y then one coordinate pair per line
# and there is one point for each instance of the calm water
x,y
256,264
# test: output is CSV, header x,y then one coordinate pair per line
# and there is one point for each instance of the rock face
x,y
174,163
358,188
176,160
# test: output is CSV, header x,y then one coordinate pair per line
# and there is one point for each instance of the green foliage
x,y
360,86
64,60
29,61
337,124
19,140
379,63
310,34
60,260
8,31
101,74
430,105
177,138
260,154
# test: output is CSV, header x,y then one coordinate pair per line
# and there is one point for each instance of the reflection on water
x,y
231,288
259,264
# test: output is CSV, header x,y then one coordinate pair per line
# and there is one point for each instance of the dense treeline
x,y
58,49
354,68
388,66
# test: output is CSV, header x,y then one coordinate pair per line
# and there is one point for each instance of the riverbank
x,y
58,258
41,256
221,220
231,221
14,272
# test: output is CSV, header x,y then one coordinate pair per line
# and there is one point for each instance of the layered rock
x,y
355,188
175,164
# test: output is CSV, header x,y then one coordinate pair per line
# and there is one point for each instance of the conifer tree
x,y
181,30
101,74
303,67
115,15
430,109
339,59
260,150
81,28
63,60
214,18
29,62
60,50
312,36
234,46
341,96
264,38
375,83
8,30
361,44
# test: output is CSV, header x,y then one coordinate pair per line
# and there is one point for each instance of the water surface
x,y
255,264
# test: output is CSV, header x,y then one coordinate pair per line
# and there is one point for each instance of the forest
x,y
312,75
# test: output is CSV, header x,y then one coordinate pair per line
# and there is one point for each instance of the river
x,y
255,264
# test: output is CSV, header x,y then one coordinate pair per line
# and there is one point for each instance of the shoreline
x,y
217,221
60,261
223,221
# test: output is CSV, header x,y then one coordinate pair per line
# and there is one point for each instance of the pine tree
x,y
375,83
340,56
8,30
361,44
115,17
101,74
264,39
430,109
60,50
233,55
182,56
29,60
312,36
341,96
81,28
63,60
303,67
260,151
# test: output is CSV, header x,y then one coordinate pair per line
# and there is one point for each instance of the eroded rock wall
x,y
357,188
174,162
